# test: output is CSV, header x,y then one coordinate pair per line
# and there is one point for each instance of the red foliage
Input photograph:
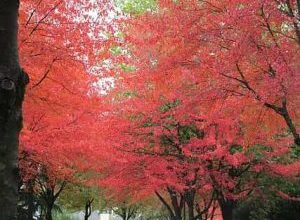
x,y
60,110
231,69
212,80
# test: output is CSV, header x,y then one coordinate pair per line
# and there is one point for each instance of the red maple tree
x,y
218,62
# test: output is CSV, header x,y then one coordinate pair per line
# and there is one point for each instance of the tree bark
x,y
49,212
176,207
190,201
88,209
283,111
12,88
227,208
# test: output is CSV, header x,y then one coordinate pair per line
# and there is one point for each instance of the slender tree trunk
x,y
88,209
12,86
31,206
283,111
31,209
227,208
190,199
48,215
171,209
29,199
124,213
49,212
184,212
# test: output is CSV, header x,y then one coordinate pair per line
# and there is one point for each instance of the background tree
x,y
60,108
82,197
43,182
166,58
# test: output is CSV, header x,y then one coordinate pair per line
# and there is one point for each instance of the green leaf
x,y
136,7
115,50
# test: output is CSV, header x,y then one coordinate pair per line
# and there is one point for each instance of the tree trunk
x,y
190,201
31,205
27,210
227,209
124,213
283,112
12,86
175,209
49,212
88,209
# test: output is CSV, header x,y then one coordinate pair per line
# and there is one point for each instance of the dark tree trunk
x,y
283,112
124,213
31,206
177,201
190,201
88,209
48,215
49,212
12,86
50,196
227,208
175,209
26,206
